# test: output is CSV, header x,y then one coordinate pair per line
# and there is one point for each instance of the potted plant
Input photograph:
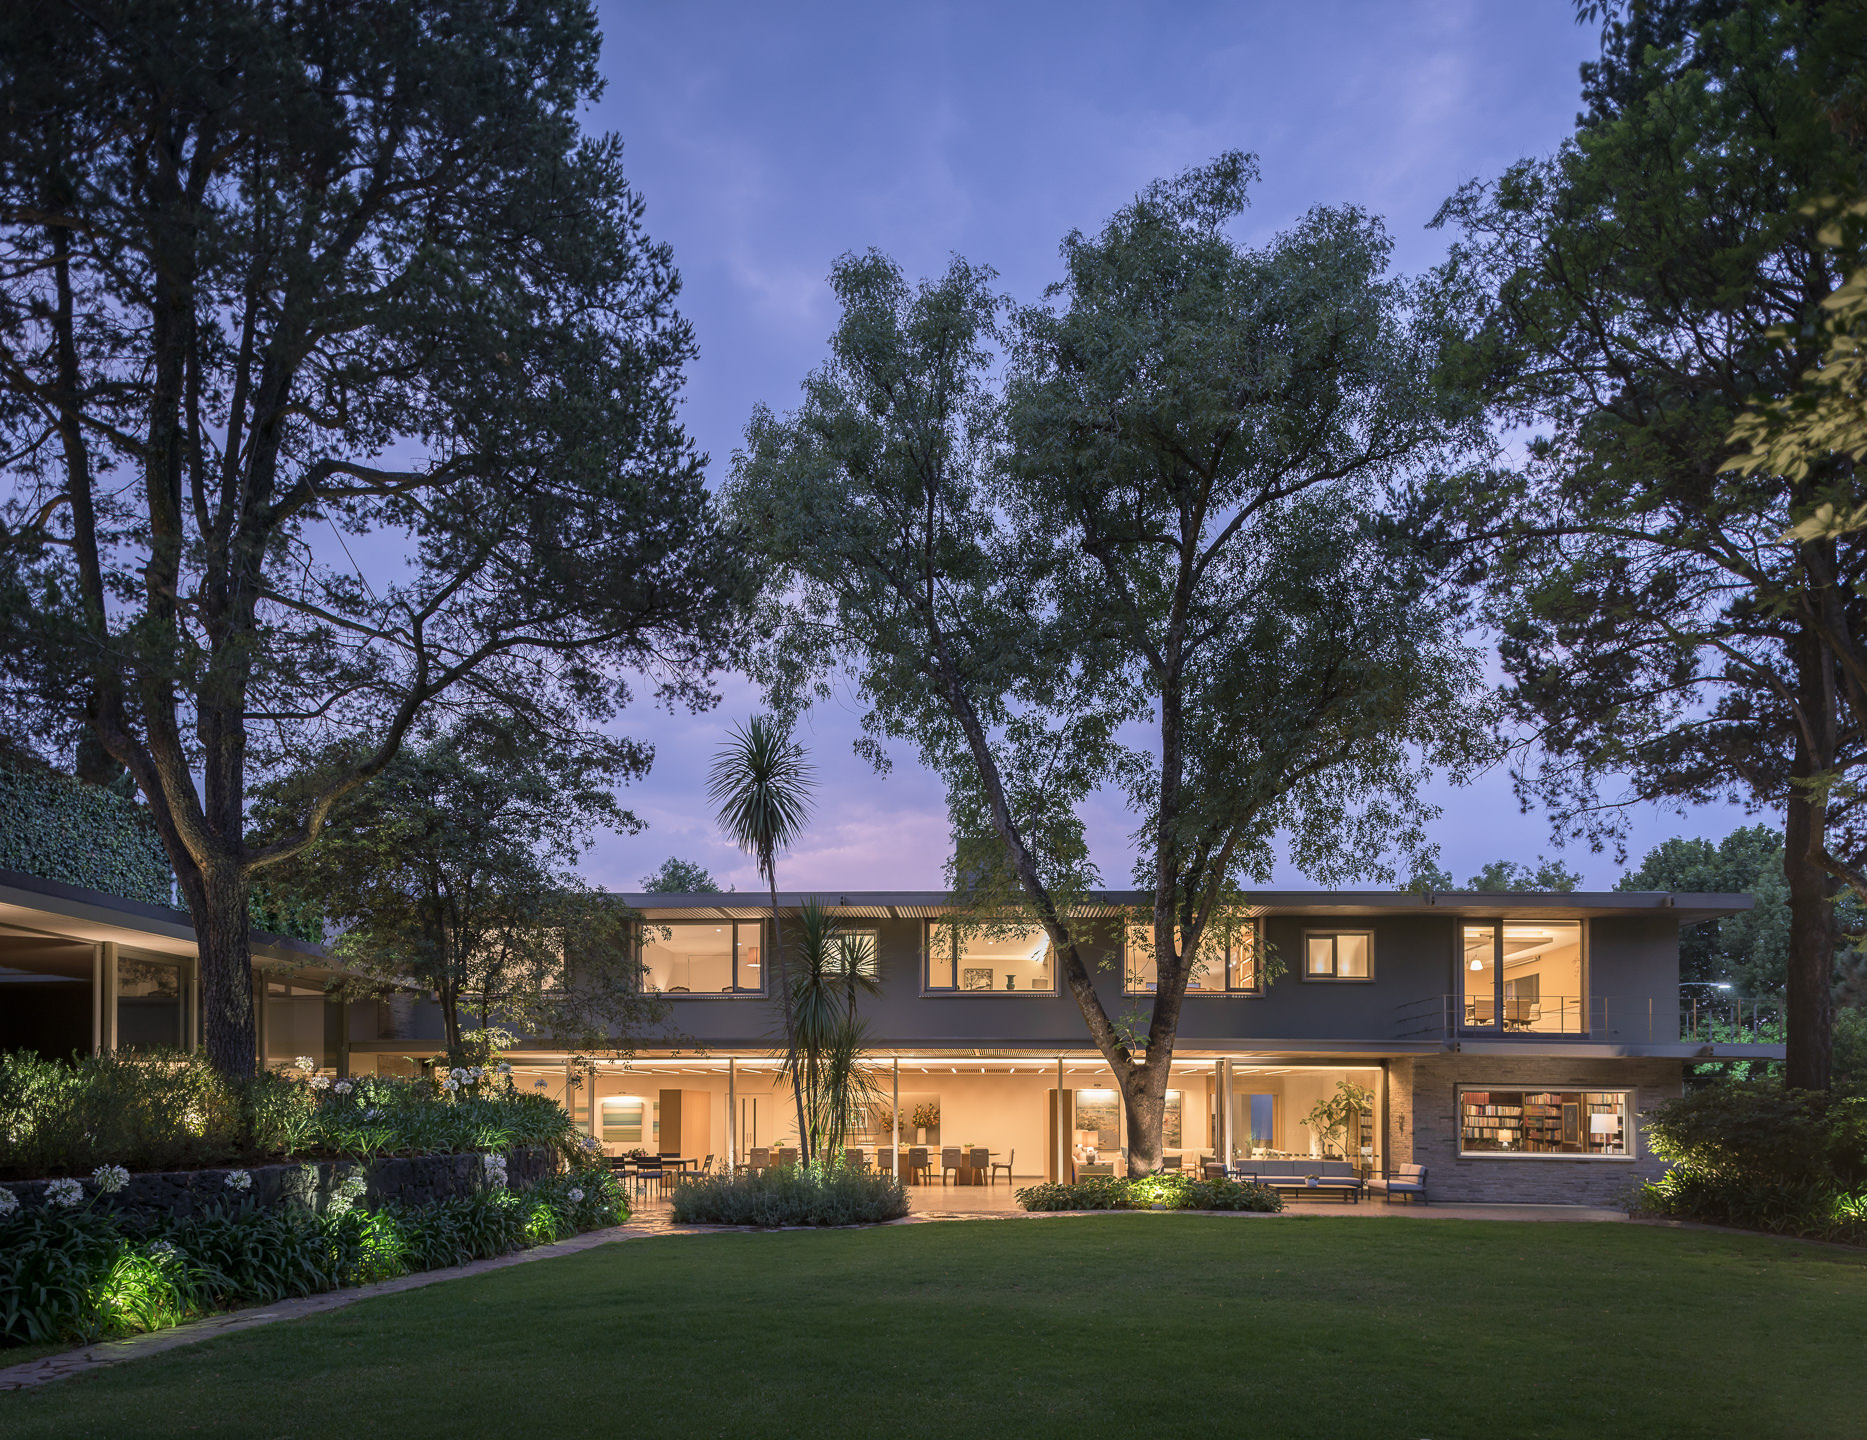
x,y
925,1118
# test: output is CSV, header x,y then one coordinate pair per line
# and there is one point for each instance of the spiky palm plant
x,y
761,782
830,967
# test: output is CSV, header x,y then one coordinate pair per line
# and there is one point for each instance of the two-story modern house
x,y
1509,1042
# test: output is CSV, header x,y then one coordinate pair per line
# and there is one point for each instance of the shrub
x,y
165,1111
1755,1155
1168,1190
789,1196
81,1274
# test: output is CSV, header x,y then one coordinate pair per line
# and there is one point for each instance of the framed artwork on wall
x,y
975,979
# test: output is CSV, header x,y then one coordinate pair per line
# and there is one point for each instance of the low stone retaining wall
x,y
412,1180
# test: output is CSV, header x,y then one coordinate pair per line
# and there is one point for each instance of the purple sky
x,y
769,139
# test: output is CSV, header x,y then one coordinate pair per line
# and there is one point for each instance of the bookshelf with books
x,y
1543,1122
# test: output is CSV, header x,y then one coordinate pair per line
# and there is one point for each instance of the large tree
x,y
337,377
453,868
1170,515
1667,631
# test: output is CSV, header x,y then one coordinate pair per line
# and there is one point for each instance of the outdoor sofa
x,y
1333,1177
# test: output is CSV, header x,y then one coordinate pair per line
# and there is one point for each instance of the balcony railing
x,y
1579,1017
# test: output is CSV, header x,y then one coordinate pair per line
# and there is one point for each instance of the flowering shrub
x,y
109,1179
66,1193
80,1273
159,1112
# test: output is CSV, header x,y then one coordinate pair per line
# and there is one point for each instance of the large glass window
x,y
300,1021
1524,975
1545,1122
990,960
45,995
704,957
149,1004
1221,967
1338,955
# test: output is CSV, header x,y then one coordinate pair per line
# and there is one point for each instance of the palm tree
x,y
761,782
832,968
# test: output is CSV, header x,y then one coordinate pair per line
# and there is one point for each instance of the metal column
x,y
896,1108
1225,1109
732,1117
1063,1144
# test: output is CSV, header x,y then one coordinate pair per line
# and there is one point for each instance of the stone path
x,y
653,1218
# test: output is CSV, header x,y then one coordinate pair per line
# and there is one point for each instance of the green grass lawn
x,y
1146,1325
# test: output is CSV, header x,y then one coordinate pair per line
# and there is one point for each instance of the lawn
x,y
1146,1325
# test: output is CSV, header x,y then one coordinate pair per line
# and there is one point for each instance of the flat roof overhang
x,y
1687,909
1245,1052
47,909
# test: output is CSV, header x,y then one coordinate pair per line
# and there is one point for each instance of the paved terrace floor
x,y
979,1202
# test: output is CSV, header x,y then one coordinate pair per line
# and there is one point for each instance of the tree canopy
x,y
1170,514
1666,633
680,877
451,869
338,376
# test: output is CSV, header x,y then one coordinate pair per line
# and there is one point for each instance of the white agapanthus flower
x,y
352,1185
576,1195
476,1071
504,1069
343,1087
493,1168
372,1113
163,1250
450,1083
320,1082
109,1179
9,1202
66,1193
239,1180
305,1062
593,1145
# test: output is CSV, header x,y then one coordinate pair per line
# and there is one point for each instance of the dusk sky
x,y
768,140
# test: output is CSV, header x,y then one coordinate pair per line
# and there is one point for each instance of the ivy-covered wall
x,y
61,829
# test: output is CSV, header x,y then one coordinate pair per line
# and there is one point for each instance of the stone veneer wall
x,y
411,1180
1423,1127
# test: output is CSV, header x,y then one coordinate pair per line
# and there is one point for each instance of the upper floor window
x,y
1338,954
1223,965
704,957
1523,975
995,959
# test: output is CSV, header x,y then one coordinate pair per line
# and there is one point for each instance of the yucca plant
x,y
761,782
828,968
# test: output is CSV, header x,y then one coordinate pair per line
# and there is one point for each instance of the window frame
x,y
736,993
1255,990
942,992
1630,1127
1332,978
1496,1026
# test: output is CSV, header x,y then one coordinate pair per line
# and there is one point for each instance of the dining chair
x,y
1170,1162
706,1166
760,1158
1004,1165
854,1158
980,1161
950,1159
885,1159
918,1167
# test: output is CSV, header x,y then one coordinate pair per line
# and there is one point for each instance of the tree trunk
x,y
217,904
1811,945
1144,1098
